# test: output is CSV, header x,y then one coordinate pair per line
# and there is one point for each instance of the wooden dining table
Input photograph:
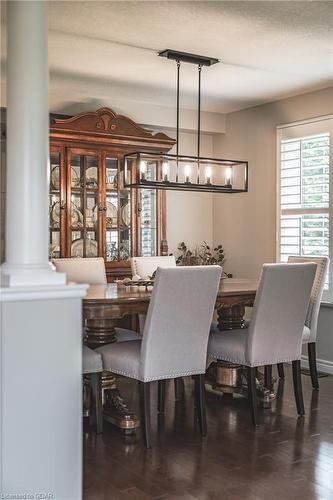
x,y
105,305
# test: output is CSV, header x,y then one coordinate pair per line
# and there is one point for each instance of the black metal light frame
x,y
137,180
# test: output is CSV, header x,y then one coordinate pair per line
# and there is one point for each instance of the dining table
x,y
105,305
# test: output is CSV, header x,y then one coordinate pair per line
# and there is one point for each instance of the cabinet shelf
x,y
81,190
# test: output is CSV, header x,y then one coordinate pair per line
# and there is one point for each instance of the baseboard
x,y
323,365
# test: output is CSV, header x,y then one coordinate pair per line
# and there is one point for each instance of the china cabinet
x,y
91,212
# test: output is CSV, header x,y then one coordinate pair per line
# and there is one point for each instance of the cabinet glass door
x,y
148,215
83,209
56,205
117,213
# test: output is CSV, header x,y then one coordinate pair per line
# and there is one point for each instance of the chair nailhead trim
x,y
152,379
92,371
246,363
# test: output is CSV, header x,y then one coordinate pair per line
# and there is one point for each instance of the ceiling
x,y
106,51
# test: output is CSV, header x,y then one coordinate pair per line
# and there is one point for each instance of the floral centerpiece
x,y
202,255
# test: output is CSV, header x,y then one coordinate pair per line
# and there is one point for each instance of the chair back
x,y
311,320
176,330
82,270
279,311
146,266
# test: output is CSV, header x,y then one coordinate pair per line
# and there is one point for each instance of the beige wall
x,y
245,223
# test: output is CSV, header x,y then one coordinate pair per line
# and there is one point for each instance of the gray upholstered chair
x,y
309,336
143,267
79,270
90,270
174,342
146,266
275,331
92,365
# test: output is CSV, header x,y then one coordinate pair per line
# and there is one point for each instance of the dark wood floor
x,y
285,458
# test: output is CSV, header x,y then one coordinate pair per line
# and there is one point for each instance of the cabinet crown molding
x,y
105,123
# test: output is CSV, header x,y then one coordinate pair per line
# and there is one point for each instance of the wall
x,y
246,223
324,342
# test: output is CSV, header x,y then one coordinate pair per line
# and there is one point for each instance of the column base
x,y
21,275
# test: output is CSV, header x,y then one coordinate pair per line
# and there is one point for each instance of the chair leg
x,y
200,402
96,386
252,393
179,389
144,388
268,377
161,396
280,370
313,364
298,387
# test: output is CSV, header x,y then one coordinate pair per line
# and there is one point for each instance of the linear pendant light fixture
x,y
180,172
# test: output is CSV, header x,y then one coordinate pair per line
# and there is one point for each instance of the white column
x,y
27,147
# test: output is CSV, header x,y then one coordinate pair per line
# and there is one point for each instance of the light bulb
x,y
228,174
143,169
208,174
187,173
165,169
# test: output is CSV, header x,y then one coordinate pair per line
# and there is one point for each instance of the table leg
x,y
229,378
231,317
99,332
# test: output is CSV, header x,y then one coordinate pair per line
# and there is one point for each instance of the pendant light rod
x,y
177,138
177,133
199,108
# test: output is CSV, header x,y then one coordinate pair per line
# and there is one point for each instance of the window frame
x,y
279,132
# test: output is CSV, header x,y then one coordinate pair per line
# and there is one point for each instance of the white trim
x,y
325,303
16,294
323,365
278,196
299,211
305,122
304,211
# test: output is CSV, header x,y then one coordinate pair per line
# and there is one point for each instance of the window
x,y
305,201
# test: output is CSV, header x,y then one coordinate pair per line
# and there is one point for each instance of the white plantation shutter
x,y
305,197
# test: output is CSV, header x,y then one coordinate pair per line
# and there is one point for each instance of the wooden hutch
x,y
91,214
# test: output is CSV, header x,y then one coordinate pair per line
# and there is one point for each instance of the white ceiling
x,y
105,52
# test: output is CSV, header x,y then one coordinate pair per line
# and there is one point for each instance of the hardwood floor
x,y
284,458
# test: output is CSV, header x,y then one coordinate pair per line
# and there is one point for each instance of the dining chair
x,y
146,266
92,365
275,331
174,341
90,270
309,336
